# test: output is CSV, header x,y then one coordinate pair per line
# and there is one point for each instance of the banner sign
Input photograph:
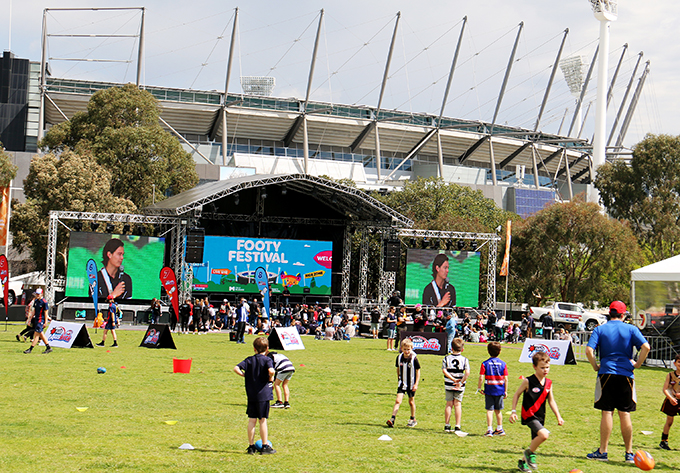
x,y
4,280
230,264
4,215
92,282
263,286
560,351
285,338
426,343
68,335
158,336
170,284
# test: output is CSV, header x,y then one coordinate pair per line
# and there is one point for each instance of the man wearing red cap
x,y
615,388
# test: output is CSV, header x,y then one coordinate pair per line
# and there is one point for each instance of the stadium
x,y
251,139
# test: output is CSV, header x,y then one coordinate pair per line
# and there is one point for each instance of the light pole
x,y
605,11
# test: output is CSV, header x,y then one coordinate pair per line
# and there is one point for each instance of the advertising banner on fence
x,y
230,264
427,343
560,351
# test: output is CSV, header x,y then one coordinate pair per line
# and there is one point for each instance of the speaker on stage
x,y
391,255
195,241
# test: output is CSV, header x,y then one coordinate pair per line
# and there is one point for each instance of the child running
x,y
493,375
537,390
408,372
671,389
456,369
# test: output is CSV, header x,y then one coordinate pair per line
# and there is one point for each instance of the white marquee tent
x,y
667,270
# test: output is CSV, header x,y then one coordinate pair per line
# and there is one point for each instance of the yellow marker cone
x,y
82,409
170,422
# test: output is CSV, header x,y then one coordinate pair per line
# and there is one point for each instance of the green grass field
x,y
340,400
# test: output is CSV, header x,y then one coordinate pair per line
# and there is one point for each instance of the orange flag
x,y
506,258
4,207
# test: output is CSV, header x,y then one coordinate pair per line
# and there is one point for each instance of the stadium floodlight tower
x,y
258,85
605,11
573,68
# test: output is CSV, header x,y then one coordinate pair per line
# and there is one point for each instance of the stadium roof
x,y
192,112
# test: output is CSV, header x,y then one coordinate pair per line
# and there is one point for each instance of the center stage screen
x,y
229,265
456,271
142,263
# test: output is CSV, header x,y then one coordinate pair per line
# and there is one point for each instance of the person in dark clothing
x,y
184,314
548,326
439,293
112,279
258,371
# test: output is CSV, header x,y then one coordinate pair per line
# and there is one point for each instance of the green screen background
x,y
463,275
143,262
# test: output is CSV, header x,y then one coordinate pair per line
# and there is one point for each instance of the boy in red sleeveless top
x,y
537,391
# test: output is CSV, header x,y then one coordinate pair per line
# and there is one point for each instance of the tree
x,y
571,252
121,131
647,193
70,181
436,205
8,171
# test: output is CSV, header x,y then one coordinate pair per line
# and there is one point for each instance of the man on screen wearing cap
x,y
615,388
40,318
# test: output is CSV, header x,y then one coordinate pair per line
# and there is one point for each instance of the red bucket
x,y
181,366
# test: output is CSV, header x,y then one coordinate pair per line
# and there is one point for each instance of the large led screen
x,y
442,278
136,261
229,265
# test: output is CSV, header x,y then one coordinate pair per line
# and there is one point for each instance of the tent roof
x,y
665,270
350,202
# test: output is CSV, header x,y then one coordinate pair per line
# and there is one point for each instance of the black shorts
x,y
615,391
670,409
258,410
408,392
535,425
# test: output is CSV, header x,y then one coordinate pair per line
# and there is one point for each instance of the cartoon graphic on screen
x,y
112,279
439,292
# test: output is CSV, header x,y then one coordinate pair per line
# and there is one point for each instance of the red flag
x,y
4,279
170,284
505,267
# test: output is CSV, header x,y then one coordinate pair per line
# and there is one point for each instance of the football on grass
x,y
643,460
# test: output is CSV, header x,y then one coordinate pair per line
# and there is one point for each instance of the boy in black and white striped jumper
x,y
456,369
284,371
408,371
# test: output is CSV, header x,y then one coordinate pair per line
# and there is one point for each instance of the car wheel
x,y
11,297
591,324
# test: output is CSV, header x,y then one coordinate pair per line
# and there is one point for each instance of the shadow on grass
x,y
378,394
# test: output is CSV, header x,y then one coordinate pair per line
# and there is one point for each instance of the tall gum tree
x,y
646,193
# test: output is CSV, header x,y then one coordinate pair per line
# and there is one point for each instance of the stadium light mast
x,y
605,12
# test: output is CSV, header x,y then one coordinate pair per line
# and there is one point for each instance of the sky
x,y
186,45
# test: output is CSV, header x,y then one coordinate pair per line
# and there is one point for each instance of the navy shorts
x,y
493,403
38,326
109,325
258,410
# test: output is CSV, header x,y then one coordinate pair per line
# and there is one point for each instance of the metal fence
x,y
662,352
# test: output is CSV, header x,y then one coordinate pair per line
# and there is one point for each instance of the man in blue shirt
x,y
615,388
450,330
